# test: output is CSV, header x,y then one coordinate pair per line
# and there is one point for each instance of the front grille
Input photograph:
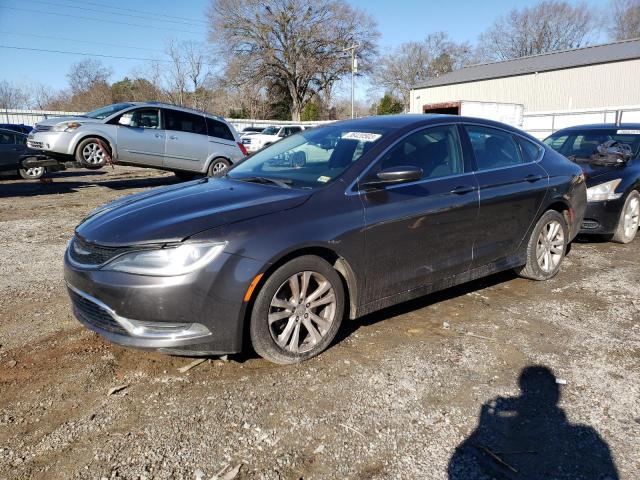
x,y
42,128
590,225
94,314
91,254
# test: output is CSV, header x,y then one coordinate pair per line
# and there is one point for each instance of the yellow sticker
x,y
324,179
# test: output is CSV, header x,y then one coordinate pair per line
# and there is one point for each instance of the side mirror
x,y
392,176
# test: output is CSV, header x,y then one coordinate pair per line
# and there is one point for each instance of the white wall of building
x,y
593,86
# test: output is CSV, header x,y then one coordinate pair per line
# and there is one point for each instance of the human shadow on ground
x,y
529,437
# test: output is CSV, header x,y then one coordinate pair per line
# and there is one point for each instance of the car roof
x,y
600,126
176,107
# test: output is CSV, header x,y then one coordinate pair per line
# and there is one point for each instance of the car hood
x,y
173,213
55,120
594,171
261,137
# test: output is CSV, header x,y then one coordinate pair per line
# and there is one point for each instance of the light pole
x,y
354,70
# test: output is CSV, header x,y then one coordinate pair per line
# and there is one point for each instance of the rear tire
x,y
629,218
218,167
90,155
33,173
298,311
546,248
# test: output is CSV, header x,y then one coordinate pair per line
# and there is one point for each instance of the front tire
x,y
33,173
298,311
629,219
546,248
90,154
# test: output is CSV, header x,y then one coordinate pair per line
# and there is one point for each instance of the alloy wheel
x,y
218,167
550,247
632,217
302,312
93,154
34,172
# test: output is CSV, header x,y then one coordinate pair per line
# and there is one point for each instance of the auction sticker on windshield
x,y
362,136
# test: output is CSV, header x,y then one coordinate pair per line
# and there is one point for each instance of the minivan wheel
x,y
90,154
298,311
546,248
218,167
32,173
629,219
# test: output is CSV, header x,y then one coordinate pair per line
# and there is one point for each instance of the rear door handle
x,y
159,135
173,137
462,189
533,178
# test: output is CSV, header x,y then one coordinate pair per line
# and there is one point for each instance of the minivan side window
x,y
140,118
218,129
184,122
493,148
435,150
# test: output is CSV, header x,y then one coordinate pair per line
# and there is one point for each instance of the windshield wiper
x,y
281,182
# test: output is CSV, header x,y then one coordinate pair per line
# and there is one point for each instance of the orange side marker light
x,y
247,296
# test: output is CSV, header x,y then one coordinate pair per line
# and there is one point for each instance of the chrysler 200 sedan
x,y
331,223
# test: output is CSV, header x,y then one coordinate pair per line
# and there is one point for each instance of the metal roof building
x,y
596,76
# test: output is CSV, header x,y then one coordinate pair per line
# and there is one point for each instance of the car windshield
x,y
107,111
310,159
271,131
584,144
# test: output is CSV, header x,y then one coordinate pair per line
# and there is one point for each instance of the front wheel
x,y
629,219
91,153
298,311
33,173
546,248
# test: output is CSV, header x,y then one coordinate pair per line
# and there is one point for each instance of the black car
x,y
17,127
334,222
13,146
610,157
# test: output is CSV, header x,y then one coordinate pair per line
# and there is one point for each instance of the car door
x,y
222,143
140,137
187,145
10,151
512,189
420,232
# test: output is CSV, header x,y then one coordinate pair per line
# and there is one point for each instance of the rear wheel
x,y
298,311
90,153
218,167
546,248
629,219
32,173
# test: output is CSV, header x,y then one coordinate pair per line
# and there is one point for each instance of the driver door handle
x,y
533,178
173,137
159,135
462,189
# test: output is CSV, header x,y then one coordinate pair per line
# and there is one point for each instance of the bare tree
x,y
625,19
83,75
12,95
297,43
546,27
415,62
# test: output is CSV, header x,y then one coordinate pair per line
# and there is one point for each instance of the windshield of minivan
x,y
107,111
310,159
584,144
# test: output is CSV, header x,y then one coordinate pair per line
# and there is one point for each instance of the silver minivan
x,y
148,134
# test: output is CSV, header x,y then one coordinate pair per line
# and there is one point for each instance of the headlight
x,y
65,127
168,261
604,191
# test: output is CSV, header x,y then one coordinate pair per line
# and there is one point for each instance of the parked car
x,y
335,222
17,127
148,134
613,178
269,135
251,131
13,146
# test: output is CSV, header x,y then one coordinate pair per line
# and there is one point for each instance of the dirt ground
x,y
425,390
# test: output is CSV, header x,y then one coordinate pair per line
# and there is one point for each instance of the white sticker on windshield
x,y
324,179
628,132
362,136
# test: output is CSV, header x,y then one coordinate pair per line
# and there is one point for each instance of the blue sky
x,y
35,23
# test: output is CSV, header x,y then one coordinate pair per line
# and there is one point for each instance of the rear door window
x,y
493,148
218,129
530,151
179,121
7,138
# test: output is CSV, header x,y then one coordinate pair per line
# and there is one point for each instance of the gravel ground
x,y
428,389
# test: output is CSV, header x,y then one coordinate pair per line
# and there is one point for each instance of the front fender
x,y
81,135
